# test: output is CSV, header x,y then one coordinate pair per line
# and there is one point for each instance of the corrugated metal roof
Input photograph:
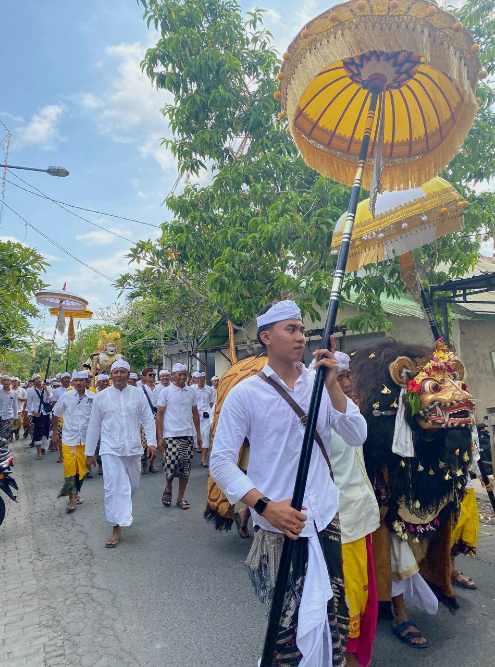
x,y
404,307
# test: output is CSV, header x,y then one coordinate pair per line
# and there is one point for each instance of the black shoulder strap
x,y
152,407
299,412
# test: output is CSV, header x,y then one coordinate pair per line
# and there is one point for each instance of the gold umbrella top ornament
x,y
422,61
86,314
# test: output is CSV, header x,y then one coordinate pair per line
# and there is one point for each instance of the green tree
x,y
20,269
262,228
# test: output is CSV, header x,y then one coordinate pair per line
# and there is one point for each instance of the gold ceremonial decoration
x,y
429,67
404,221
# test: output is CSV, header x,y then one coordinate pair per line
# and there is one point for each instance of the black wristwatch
x,y
260,505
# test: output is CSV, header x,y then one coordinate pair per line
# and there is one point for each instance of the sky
x,y
73,95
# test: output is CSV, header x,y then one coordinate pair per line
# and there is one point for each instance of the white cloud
x,y
101,237
15,119
130,111
41,130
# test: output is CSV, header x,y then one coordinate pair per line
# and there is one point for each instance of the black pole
x,y
429,312
375,86
445,313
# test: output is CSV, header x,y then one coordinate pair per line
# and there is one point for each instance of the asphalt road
x,y
175,592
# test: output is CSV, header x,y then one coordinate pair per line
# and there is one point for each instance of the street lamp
x,y
53,171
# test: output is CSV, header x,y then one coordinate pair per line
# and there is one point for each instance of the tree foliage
x,y
262,228
20,269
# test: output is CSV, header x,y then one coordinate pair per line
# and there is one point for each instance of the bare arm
x,y
55,438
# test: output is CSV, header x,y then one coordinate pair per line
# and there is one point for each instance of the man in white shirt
x,y
102,382
117,415
149,390
39,406
177,412
359,518
315,619
21,401
214,385
61,385
8,409
75,408
205,399
133,379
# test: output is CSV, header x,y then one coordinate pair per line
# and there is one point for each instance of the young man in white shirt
x,y
116,417
75,408
133,379
315,619
215,380
148,387
61,385
39,406
102,382
21,402
177,412
205,400
8,409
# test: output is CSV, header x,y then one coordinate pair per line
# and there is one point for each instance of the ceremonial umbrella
x,y
59,302
86,314
404,220
393,78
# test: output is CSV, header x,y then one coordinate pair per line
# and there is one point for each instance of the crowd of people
x,y
347,550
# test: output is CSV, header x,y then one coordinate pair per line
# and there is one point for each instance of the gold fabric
x,y
442,206
74,459
465,532
428,108
355,560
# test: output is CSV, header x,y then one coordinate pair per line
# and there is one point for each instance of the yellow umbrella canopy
x,y
429,64
86,314
404,220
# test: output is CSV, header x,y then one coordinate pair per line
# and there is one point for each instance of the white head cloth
x,y
102,376
215,377
133,376
35,377
57,383
164,371
343,360
120,363
177,368
58,376
6,377
64,375
403,438
80,375
200,374
283,310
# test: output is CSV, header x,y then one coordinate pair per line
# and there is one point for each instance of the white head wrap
x,y
35,377
80,375
283,310
200,374
133,376
215,377
343,360
102,376
165,371
64,375
6,377
58,376
177,368
57,383
120,363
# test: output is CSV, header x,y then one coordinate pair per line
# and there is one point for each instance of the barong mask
x,y
435,391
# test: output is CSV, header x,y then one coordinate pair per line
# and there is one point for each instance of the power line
x,y
57,245
81,208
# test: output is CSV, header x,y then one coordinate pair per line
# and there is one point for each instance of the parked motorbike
x,y
7,482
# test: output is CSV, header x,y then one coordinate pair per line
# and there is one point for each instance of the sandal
x,y
78,501
167,498
39,457
70,508
60,460
464,582
112,543
183,504
152,469
243,532
409,636
204,464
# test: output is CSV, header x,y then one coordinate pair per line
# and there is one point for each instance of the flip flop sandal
x,y
39,458
112,543
152,469
70,508
408,637
205,465
183,504
468,584
60,460
100,473
240,529
89,475
78,501
166,499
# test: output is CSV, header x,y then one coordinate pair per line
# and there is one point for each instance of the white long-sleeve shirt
x,y
117,416
8,404
76,412
254,409
33,400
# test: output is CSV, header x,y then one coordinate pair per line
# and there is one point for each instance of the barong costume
x,y
117,416
76,411
417,454
315,622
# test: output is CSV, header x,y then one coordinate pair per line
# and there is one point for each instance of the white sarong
x,y
121,476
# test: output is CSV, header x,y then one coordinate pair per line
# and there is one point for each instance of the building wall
x,y
477,341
